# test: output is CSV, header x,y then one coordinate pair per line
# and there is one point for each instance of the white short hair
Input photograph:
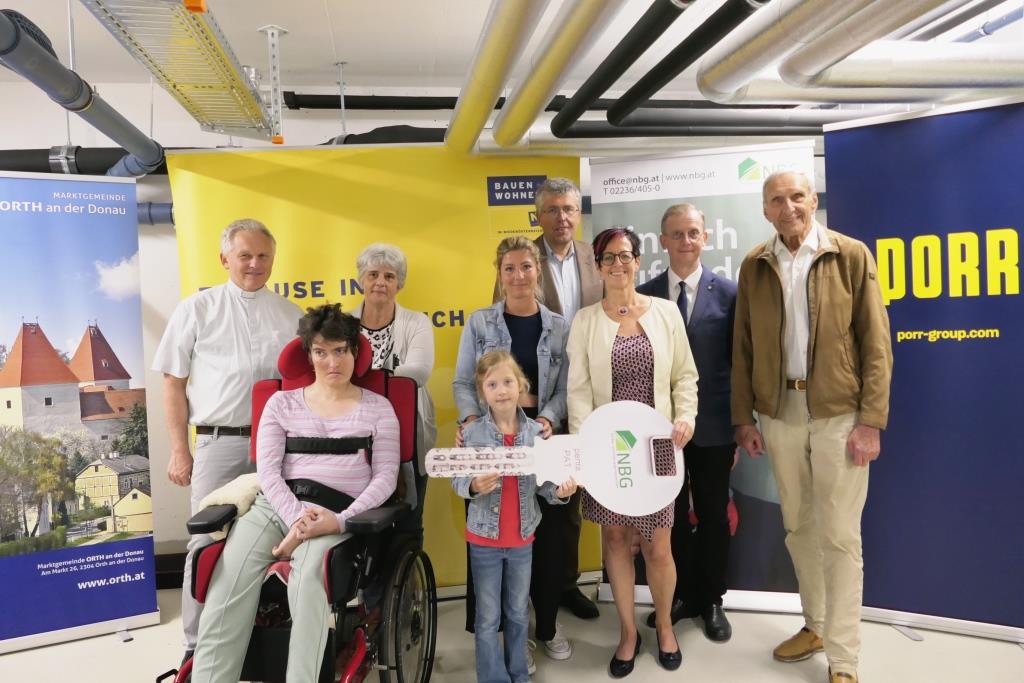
x,y
799,174
382,254
243,225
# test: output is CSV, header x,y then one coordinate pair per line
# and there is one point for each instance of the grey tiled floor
x,y
887,657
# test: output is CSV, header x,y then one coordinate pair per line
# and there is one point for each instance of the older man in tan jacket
x,y
812,355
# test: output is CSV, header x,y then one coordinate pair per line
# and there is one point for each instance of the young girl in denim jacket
x,y
503,514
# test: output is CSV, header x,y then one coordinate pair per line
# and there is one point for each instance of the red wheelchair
x,y
382,550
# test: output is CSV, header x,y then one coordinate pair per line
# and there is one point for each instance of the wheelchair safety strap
x,y
318,494
324,445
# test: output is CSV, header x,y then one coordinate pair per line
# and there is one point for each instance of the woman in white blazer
x,y
403,343
632,347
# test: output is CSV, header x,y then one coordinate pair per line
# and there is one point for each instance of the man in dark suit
x,y
707,303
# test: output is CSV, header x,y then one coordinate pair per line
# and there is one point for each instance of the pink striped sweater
x,y
286,414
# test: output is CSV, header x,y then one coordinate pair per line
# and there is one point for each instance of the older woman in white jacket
x,y
402,341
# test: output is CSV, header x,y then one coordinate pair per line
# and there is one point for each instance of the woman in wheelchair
x,y
332,406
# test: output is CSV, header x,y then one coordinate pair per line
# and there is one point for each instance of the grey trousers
x,y
234,593
218,460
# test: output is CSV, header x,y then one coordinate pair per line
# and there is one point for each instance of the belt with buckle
x,y
320,494
224,431
798,384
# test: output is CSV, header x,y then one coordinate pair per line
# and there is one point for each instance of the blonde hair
x,y
519,243
493,359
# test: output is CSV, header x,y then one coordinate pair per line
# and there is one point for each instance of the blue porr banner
x,y
509,190
939,201
76,512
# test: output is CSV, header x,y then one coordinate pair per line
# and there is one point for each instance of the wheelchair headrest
x,y
297,371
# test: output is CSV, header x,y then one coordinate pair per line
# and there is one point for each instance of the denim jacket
x,y
487,331
482,517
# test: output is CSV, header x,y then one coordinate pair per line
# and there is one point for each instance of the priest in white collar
x,y
217,344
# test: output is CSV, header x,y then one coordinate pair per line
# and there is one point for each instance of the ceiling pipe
x,y
764,38
70,160
26,50
990,27
600,129
769,89
910,64
558,103
651,25
810,64
540,140
750,117
507,30
712,30
923,29
573,32
155,213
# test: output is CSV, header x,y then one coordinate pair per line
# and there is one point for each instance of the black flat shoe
x,y
716,625
669,661
620,668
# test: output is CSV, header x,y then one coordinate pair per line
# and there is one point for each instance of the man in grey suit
x,y
570,281
707,303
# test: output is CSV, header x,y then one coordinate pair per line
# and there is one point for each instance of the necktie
x,y
682,303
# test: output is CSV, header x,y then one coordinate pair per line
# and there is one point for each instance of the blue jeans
x,y
501,577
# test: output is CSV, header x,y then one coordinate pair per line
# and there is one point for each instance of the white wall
x,y
64,411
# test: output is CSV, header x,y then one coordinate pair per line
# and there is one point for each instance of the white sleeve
x,y
417,359
174,354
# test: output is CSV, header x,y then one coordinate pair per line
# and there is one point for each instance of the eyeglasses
x,y
693,235
624,257
568,211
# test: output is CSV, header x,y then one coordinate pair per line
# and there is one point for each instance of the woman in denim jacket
x,y
536,337
502,517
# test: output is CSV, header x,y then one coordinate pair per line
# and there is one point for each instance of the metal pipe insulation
x,y
25,50
507,30
573,32
810,64
780,29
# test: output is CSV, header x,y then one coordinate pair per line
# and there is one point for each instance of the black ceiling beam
x,y
294,100
690,49
654,22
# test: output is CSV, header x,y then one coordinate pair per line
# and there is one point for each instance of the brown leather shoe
x,y
800,647
841,677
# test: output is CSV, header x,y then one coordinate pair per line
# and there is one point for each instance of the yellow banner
x,y
447,212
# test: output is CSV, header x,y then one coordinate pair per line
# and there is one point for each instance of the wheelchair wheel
x,y
409,632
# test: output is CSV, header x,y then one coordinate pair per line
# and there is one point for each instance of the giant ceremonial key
x,y
623,455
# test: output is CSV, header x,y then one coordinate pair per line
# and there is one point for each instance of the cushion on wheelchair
x,y
203,562
376,520
280,570
210,519
341,573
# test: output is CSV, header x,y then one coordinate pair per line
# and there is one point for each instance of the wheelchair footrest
x,y
356,662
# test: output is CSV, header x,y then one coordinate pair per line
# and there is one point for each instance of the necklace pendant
x,y
623,310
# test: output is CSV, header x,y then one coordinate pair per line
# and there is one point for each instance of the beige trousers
x,y
822,495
